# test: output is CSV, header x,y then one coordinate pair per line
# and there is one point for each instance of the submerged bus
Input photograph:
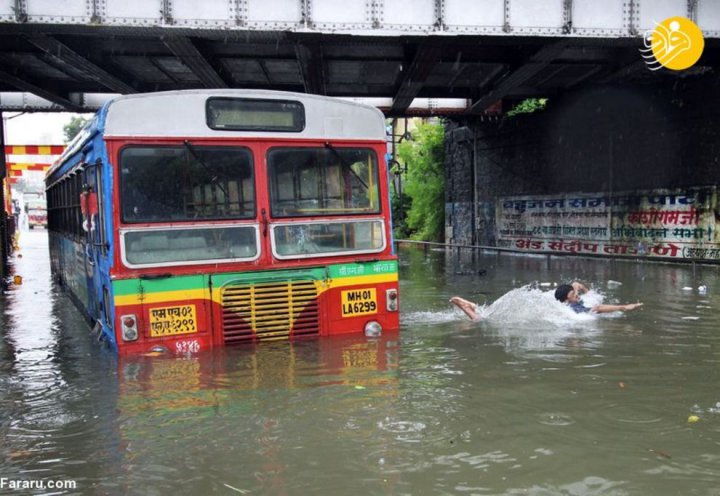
x,y
185,220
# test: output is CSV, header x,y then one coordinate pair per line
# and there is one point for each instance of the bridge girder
x,y
406,50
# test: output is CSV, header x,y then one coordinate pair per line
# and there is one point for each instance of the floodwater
x,y
532,400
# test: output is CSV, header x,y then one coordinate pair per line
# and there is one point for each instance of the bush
x,y
399,215
424,157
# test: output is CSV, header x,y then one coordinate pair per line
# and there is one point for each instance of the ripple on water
x,y
406,431
391,460
589,486
634,419
555,419
427,317
475,460
592,380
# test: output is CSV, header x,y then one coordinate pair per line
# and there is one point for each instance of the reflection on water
x,y
244,414
533,399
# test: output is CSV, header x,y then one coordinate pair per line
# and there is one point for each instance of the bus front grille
x,y
269,311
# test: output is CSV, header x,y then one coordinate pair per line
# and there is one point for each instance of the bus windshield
x,y
186,183
323,181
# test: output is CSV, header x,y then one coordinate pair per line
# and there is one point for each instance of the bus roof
x,y
183,114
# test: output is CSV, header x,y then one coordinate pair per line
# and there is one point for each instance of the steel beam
x,y
264,69
90,102
64,55
583,77
425,59
25,85
535,64
567,16
509,18
310,60
187,52
624,72
20,10
306,14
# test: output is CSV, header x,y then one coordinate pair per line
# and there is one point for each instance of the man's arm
x,y
615,308
466,306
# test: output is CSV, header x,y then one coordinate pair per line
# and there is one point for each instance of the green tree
x,y
400,207
425,181
528,106
72,128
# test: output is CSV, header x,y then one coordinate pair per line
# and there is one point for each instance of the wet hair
x,y
562,292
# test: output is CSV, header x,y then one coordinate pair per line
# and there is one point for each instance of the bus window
x,y
197,245
298,240
186,183
246,114
323,181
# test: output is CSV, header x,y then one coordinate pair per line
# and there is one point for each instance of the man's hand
x,y
632,306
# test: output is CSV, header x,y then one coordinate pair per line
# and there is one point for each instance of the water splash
x,y
527,319
531,305
525,305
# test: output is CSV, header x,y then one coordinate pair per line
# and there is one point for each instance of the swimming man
x,y
565,293
570,295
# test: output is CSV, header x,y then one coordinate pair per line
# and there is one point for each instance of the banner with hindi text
x,y
679,223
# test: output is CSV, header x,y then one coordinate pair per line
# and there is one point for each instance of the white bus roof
x,y
183,114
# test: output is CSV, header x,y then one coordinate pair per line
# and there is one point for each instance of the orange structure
x,y
33,158
18,160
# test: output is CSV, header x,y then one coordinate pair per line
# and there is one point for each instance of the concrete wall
x,y
599,140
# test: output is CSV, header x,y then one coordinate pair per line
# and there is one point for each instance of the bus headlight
x,y
129,327
391,300
373,329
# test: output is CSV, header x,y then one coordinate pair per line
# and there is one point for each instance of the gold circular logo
x,y
677,43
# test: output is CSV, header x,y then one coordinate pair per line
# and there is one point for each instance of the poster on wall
x,y
677,223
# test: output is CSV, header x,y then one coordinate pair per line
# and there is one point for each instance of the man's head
x,y
565,292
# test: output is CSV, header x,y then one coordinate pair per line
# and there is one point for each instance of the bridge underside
x,y
77,68
426,56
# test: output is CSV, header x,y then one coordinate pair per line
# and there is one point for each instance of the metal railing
x,y
428,244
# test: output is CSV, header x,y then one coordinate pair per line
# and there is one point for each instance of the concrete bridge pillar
x,y
605,141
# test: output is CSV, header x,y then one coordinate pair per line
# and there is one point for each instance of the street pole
x,y
5,241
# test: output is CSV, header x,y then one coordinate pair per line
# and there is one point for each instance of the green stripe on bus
x,y
363,269
126,287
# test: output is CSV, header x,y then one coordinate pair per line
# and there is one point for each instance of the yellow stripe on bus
x,y
363,280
